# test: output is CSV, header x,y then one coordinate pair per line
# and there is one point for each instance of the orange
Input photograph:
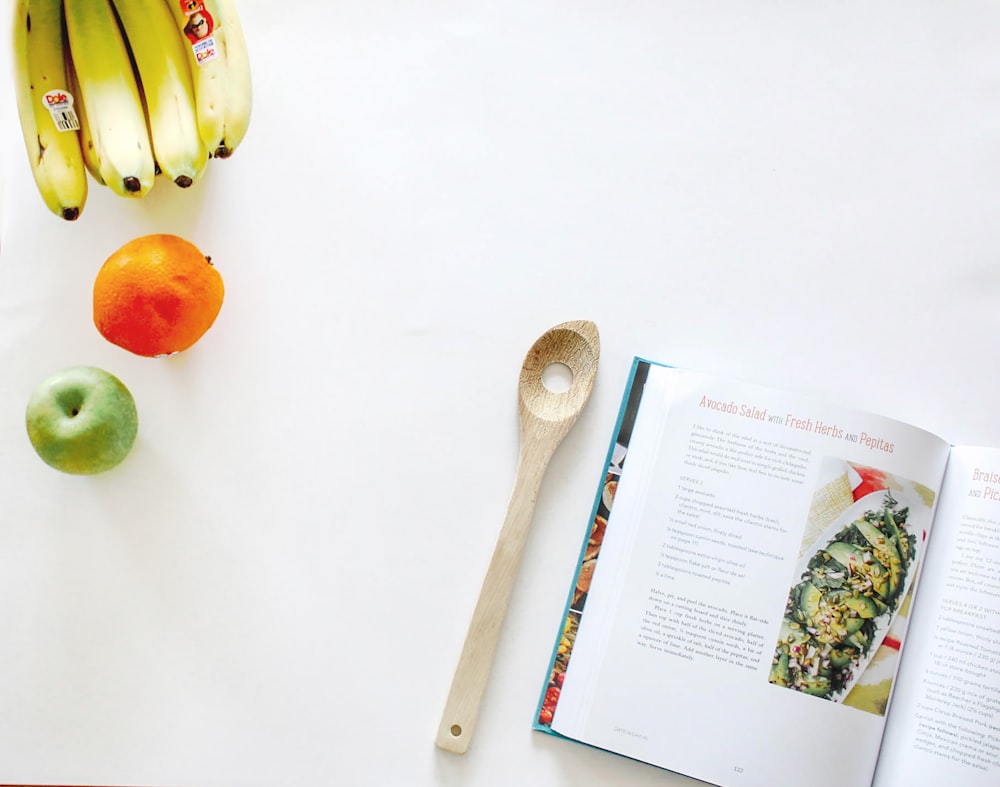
x,y
156,295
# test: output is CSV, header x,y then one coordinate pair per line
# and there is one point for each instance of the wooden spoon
x,y
546,417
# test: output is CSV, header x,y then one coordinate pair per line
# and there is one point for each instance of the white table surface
x,y
274,587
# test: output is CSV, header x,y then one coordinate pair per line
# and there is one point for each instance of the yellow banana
x,y
51,136
239,93
90,158
111,95
208,67
167,87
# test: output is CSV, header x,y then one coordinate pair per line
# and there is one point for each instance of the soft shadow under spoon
x,y
545,416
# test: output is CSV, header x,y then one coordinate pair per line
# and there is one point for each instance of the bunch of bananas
x,y
127,89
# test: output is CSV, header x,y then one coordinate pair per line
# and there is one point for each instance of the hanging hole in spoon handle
x,y
545,419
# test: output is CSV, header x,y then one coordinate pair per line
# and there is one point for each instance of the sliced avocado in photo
x,y
852,558
864,606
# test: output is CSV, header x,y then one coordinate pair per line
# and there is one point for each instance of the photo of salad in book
x,y
784,565
849,587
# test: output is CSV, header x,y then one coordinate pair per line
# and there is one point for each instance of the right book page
x,y
944,720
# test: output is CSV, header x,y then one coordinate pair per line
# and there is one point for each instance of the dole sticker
x,y
59,103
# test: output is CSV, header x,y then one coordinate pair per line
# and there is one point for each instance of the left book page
x,y
710,631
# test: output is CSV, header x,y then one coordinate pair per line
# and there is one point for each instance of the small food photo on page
x,y
846,610
591,550
559,664
585,573
589,562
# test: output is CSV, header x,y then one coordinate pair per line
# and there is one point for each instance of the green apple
x,y
82,420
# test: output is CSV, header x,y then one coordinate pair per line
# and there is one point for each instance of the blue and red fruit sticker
x,y
199,29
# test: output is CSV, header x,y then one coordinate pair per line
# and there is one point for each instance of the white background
x,y
274,587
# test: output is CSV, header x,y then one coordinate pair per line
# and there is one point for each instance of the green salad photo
x,y
843,603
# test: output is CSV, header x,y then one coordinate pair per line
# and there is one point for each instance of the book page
x,y
944,724
699,646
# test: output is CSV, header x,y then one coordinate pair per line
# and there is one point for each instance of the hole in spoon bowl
x,y
557,377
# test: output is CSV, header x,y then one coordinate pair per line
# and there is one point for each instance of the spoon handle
x,y
461,711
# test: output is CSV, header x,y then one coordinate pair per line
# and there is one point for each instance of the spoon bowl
x,y
545,418
573,344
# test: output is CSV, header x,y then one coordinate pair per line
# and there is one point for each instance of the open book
x,y
774,590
